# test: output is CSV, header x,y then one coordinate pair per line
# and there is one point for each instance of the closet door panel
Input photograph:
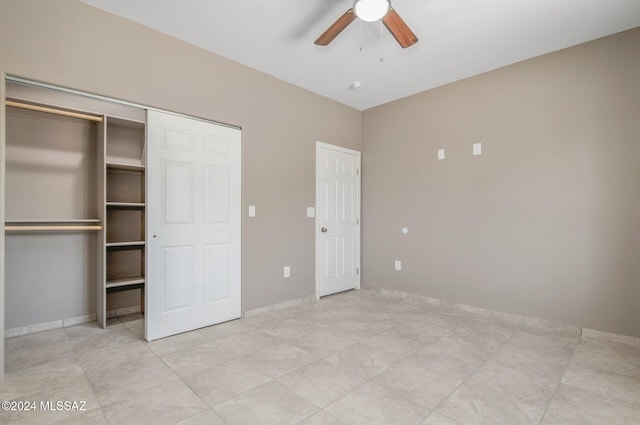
x,y
193,206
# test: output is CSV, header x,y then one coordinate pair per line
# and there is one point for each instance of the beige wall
x,y
546,222
68,43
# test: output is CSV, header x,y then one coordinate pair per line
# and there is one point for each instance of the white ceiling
x,y
457,38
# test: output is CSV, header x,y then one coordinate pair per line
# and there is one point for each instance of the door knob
x,y
323,230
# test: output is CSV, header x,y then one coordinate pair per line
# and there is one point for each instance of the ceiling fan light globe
x,y
371,10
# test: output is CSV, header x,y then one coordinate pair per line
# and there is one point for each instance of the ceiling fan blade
x,y
399,29
336,28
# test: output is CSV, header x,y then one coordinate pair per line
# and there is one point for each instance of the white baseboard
x,y
279,306
514,319
118,312
48,326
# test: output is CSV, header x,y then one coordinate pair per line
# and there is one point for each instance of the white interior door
x,y
337,219
193,234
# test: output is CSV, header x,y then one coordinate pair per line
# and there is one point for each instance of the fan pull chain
x,y
361,36
381,33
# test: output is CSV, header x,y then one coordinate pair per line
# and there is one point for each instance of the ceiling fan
x,y
370,11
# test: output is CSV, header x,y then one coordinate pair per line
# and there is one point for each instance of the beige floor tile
x,y
131,379
472,368
484,338
47,411
449,358
269,404
323,342
615,357
397,347
553,346
416,382
290,329
386,320
277,360
136,328
357,329
321,418
220,383
362,360
90,337
123,371
32,350
321,383
266,319
175,343
163,405
245,343
113,358
532,359
92,417
26,382
130,318
437,419
423,333
208,417
198,358
225,329
535,385
575,406
371,404
475,405
607,384
324,317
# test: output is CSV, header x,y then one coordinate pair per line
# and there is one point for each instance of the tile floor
x,y
353,358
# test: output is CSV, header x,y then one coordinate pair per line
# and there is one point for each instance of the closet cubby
x,y
125,142
125,267
125,206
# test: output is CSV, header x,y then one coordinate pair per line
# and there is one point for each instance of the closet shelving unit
x,y
45,224
53,216
125,206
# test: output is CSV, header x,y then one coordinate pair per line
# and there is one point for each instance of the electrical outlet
x,y
477,148
311,212
440,154
398,265
287,271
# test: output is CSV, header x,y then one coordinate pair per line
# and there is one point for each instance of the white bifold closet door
x,y
193,213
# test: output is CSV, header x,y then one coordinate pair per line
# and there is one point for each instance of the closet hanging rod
x,y
49,228
54,111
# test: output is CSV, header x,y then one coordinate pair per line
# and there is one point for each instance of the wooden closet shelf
x,y
39,228
124,244
125,166
52,221
56,111
125,204
127,281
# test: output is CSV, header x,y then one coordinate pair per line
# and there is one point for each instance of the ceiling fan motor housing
x,y
371,10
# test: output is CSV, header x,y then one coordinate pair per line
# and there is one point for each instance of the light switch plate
x,y
440,154
287,271
311,212
252,210
398,265
477,148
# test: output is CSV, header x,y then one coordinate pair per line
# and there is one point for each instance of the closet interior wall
x,y
56,177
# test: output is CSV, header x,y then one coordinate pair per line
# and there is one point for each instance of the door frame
x,y
358,154
3,127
